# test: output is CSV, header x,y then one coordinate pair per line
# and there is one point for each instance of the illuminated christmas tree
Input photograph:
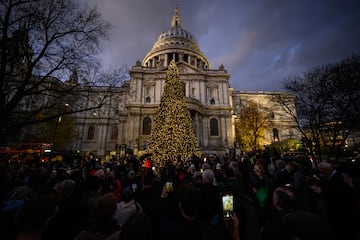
x,y
172,136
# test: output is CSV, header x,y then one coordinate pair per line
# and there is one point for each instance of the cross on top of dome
x,y
176,20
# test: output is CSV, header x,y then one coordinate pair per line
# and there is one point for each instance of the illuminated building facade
x,y
127,117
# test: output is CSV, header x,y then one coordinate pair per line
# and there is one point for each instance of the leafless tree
x,y
327,101
44,46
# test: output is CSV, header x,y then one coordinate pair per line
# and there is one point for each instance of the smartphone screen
x,y
134,187
168,186
227,200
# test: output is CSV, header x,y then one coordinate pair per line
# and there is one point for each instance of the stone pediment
x,y
185,68
149,82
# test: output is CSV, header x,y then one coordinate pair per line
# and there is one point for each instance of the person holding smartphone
x,y
233,225
230,219
227,200
210,197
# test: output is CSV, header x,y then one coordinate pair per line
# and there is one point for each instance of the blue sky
x,y
260,42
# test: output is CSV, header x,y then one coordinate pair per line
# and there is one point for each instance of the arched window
x,y
212,101
91,132
214,128
148,99
114,133
146,126
276,134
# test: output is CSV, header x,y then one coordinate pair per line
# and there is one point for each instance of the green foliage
x,y
172,136
287,145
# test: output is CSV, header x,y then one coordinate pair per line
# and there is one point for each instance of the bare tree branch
x,y
42,42
327,102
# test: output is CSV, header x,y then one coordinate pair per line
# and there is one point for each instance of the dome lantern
x,y
176,20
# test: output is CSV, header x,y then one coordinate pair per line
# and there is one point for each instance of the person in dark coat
x,y
337,192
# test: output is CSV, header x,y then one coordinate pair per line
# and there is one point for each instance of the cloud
x,y
259,42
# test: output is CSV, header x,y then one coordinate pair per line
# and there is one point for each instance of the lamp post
x,y
58,121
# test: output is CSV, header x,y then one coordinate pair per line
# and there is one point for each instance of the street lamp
x,y
58,120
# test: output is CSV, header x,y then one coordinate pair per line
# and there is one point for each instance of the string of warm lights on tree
x,y
172,136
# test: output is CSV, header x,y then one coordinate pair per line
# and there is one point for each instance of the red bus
x,y
27,152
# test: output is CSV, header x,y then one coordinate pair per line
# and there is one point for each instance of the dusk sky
x,y
260,42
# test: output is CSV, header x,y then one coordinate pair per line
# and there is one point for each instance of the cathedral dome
x,y
178,44
176,36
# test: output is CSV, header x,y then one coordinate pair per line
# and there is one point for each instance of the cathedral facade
x,y
127,117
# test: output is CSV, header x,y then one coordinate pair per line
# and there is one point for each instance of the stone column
x,y
202,93
130,127
101,139
139,90
166,60
205,130
223,131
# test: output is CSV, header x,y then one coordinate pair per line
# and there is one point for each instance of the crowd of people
x,y
131,199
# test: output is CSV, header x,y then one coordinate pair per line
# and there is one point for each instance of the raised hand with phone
x,y
227,201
